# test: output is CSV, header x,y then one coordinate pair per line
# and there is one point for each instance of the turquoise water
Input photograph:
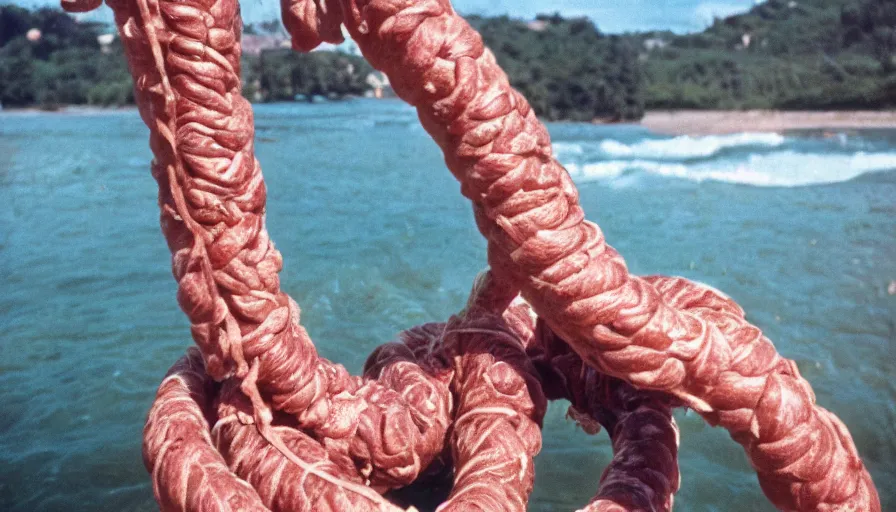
x,y
800,229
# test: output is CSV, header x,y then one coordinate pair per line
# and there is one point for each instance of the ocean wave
x,y
686,147
777,169
564,149
611,169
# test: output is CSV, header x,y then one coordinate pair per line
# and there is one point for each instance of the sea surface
x,y
800,228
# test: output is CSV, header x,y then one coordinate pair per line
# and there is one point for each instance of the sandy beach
x,y
707,122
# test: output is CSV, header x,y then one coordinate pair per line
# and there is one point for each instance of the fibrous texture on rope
x,y
527,208
185,59
257,420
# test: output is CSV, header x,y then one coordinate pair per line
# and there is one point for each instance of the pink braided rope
x,y
263,422
527,208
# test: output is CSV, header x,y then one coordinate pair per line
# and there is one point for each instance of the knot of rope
x,y
255,419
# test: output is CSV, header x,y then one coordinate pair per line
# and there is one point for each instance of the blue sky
x,y
609,15
618,15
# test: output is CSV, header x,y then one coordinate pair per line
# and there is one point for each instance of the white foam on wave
x,y
777,169
599,171
686,146
562,149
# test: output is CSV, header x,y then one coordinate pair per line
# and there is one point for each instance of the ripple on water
x,y
376,240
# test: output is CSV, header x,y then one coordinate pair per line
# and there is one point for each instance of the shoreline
x,y
67,110
664,122
720,122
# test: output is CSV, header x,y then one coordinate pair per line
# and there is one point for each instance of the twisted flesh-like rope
x,y
527,208
261,421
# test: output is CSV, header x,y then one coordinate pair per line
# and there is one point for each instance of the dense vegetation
x,y
284,75
800,54
65,66
567,69
784,54
68,65
791,54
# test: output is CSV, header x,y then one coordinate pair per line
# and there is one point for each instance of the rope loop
x,y
254,419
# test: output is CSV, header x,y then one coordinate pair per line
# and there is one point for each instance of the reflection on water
x,y
377,238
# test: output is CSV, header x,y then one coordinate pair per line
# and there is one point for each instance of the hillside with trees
x,y
782,54
566,68
66,62
276,73
63,63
